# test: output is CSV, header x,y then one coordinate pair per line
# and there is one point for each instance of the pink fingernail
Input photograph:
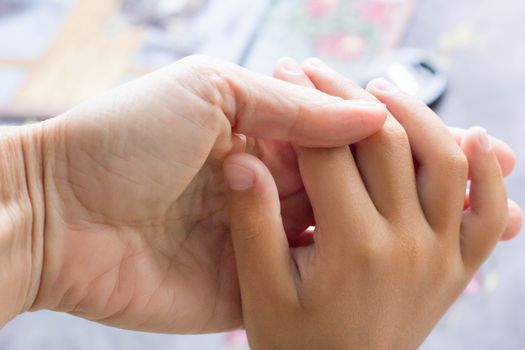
x,y
317,63
383,85
239,178
290,65
483,138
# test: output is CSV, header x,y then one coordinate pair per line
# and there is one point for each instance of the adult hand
x,y
124,210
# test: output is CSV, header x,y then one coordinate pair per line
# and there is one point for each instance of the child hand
x,y
331,82
393,249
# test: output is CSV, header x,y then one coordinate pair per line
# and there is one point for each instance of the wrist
x,y
21,218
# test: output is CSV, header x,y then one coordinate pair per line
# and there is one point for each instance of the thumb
x,y
274,109
261,248
267,108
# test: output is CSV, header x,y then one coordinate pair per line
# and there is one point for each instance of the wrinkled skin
x,y
125,206
136,228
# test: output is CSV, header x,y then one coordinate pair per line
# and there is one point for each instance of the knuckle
x,y
447,268
219,85
391,138
197,74
247,232
199,61
207,78
434,259
394,134
446,261
189,66
416,105
373,252
252,221
412,247
202,71
496,224
454,163
352,89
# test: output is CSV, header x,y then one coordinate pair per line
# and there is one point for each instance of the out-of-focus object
x,y
416,72
55,54
346,34
160,13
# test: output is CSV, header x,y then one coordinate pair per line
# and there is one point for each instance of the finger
x,y
265,107
313,67
239,142
261,249
288,69
505,155
330,176
316,69
339,199
295,206
443,168
485,220
384,159
514,223
281,160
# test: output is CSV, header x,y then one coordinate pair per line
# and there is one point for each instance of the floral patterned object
x,y
349,46
378,12
338,31
321,8
349,30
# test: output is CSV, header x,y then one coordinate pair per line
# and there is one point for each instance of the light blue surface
x,y
56,331
11,79
31,26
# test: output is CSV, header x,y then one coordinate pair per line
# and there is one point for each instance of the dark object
x,y
416,72
159,13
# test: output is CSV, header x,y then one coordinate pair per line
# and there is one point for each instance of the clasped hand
x,y
118,212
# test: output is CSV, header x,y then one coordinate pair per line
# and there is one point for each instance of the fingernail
x,y
383,85
483,138
239,178
317,63
290,65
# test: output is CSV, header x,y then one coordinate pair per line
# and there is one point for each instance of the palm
x,y
140,229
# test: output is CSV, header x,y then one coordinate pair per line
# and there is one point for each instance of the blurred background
x,y
57,53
